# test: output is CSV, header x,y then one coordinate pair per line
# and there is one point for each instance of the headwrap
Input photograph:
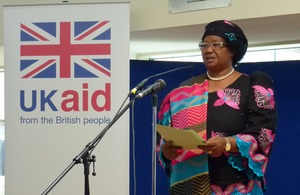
x,y
235,38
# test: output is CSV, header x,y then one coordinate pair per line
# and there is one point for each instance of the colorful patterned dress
x,y
245,110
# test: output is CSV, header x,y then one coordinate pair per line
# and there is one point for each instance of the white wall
x,y
154,14
1,57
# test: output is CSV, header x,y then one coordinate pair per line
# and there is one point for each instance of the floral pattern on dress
x,y
230,97
253,187
266,139
264,97
217,134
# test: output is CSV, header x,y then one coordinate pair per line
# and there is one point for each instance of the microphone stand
x,y
154,122
84,156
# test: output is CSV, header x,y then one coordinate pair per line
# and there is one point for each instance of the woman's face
x,y
216,56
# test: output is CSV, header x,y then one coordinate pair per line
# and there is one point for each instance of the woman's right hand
x,y
170,151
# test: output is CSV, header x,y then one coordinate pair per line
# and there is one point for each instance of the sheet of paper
x,y
188,139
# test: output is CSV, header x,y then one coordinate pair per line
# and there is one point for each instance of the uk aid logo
x,y
65,50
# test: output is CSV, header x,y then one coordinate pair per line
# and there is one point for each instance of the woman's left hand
x,y
214,146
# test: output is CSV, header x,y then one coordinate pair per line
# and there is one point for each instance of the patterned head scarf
x,y
236,41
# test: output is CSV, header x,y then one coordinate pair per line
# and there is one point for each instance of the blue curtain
x,y
283,169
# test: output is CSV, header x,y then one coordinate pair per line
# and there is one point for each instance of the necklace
x,y
219,78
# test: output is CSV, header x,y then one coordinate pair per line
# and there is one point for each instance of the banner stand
x,y
66,68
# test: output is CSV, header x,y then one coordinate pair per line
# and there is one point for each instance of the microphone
x,y
152,89
142,83
139,86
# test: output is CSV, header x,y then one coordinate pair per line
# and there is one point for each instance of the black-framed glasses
x,y
213,45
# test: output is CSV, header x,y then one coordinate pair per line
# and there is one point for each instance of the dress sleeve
x,y
255,142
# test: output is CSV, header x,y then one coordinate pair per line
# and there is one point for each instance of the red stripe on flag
x,y
91,30
49,62
94,65
33,33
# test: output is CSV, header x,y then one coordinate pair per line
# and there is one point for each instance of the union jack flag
x,y
65,49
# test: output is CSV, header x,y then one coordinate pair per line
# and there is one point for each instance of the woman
x,y
234,112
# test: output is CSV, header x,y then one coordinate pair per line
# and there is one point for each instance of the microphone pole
x,y
154,137
153,89
85,153
154,103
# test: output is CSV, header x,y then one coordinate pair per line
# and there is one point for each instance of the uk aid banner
x,y
66,75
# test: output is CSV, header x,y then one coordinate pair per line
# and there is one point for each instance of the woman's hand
x,y
214,146
170,151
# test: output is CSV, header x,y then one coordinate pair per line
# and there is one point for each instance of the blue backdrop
x,y
283,169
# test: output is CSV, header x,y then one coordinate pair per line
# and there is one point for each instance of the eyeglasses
x,y
213,45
